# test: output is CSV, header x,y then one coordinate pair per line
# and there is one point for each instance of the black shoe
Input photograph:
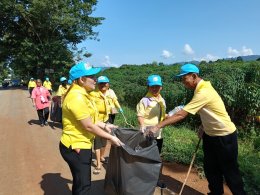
x,y
161,184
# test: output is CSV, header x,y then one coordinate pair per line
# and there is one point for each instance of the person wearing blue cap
x,y
31,85
218,132
80,125
103,115
48,85
63,87
152,109
114,105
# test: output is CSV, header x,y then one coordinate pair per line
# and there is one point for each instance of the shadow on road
x,y
53,125
34,122
54,184
175,186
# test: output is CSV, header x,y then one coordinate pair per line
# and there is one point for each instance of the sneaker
x,y
46,123
161,184
42,125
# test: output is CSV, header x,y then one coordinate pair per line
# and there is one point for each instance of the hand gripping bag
x,y
134,168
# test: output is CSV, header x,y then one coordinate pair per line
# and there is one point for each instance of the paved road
x,y
30,161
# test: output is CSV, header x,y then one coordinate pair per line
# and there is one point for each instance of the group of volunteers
x,y
88,113
41,93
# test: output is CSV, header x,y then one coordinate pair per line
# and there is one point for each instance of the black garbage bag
x,y
134,168
56,111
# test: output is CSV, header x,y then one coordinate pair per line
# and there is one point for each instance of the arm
x,y
95,129
141,123
178,116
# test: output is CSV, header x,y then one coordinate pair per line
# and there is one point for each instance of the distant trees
x,y
39,34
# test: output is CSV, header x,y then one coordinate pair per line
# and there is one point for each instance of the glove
x,y
121,110
142,129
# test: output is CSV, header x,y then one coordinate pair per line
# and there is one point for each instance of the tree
x,y
39,34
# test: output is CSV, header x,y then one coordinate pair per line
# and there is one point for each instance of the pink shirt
x,y
40,94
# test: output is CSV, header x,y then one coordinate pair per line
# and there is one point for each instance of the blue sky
x,y
170,31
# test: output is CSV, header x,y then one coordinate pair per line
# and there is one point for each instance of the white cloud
x,y
166,54
108,63
188,50
243,52
246,51
209,57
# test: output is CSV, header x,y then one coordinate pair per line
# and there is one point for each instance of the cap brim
x,y
182,74
93,71
154,84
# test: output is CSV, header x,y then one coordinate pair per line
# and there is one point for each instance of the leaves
x,y
38,34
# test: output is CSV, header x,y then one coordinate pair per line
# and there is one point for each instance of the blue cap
x,y
69,82
102,79
63,79
154,80
47,79
188,68
31,79
82,69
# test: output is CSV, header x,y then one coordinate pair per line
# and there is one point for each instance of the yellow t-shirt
x,y
112,100
102,105
152,110
31,84
47,85
62,90
209,105
77,105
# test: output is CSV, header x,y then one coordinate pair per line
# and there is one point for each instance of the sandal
x,y
105,161
96,171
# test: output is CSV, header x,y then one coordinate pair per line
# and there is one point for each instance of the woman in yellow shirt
x,y
31,85
103,112
48,85
151,110
80,125
63,87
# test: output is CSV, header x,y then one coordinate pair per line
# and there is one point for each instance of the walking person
x,y
48,85
41,97
103,115
218,133
80,125
112,100
152,109
31,85
63,87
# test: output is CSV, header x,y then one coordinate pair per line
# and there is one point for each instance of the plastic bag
x,y
134,168
56,111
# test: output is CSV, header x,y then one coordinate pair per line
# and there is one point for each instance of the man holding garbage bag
x,y
219,133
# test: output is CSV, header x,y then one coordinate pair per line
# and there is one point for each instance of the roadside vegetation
x,y
238,84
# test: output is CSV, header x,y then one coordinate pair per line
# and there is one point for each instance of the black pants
x,y
159,144
111,118
43,115
30,90
80,167
220,160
